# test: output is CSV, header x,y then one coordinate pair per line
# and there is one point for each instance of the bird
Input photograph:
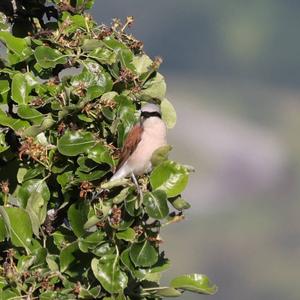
x,y
143,139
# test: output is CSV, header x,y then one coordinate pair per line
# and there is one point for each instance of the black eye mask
x,y
149,114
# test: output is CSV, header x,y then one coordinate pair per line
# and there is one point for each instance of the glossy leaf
x,y
18,226
2,229
91,44
91,176
48,57
167,292
103,249
31,186
196,283
169,177
179,203
20,89
132,205
109,274
3,145
127,235
156,204
78,215
17,46
94,80
154,88
121,196
168,113
104,55
100,154
92,293
30,114
91,241
139,273
142,63
4,89
68,256
143,254
34,195
14,124
74,143
160,155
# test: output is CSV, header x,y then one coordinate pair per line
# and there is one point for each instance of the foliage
x,y
70,91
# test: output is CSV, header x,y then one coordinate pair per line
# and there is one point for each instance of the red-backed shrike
x,y
142,140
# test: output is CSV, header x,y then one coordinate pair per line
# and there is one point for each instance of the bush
x,y
70,91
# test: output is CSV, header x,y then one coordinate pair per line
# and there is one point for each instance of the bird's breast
x,y
153,137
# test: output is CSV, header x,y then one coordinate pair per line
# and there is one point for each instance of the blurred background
x,y
233,73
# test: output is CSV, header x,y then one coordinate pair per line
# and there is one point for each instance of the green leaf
x,y
179,203
68,256
162,264
48,57
100,154
63,237
113,44
4,89
10,293
196,283
169,177
15,124
32,173
143,254
121,196
126,57
2,230
65,179
156,204
136,272
30,114
131,204
92,221
91,241
142,63
93,79
91,176
166,292
104,55
35,130
168,113
3,145
20,89
78,215
29,187
127,235
92,293
34,195
86,164
74,143
160,155
91,44
52,262
108,273
3,22
103,249
18,226
154,88
17,46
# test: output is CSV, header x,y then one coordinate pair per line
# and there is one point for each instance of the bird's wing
x,y
132,140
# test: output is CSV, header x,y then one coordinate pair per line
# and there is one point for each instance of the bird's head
x,y
150,110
